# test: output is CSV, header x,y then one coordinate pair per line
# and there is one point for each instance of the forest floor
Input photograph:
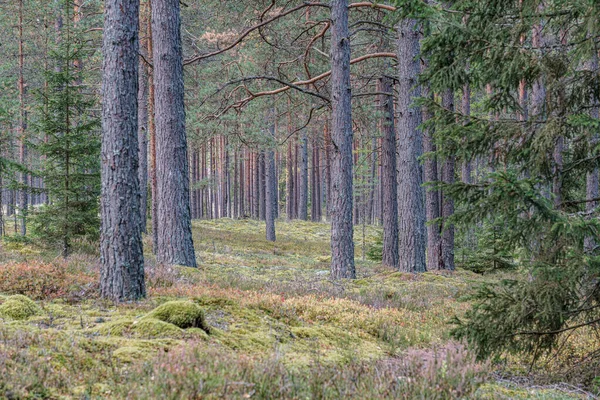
x,y
275,326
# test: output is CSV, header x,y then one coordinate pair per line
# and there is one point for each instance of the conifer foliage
x,y
533,134
69,148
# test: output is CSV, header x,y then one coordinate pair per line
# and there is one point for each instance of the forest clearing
x,y
289,199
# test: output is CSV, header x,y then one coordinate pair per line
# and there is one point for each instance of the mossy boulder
x,y
184,314
19,307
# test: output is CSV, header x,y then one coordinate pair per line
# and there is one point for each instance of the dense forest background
x,y
455,140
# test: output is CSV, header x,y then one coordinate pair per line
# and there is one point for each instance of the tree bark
x,y
411,210
303,189
24,192
122,271
389,177
175,245
152,134
271,187
143,134
342,244
447,202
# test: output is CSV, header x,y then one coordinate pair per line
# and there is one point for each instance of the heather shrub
x,y
40,280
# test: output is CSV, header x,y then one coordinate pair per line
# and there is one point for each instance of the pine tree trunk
x,y
447,202
270,191
152,134
303,189
389,177
466,110
175,245
432,196
342,244
122,271
317,172
411,210
24,192
290,192
143,134
327,136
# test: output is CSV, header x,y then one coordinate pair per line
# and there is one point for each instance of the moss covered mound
x,y
184,314
19,307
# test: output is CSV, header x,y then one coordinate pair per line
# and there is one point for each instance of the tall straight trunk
x,y
122,271
194,179
175,245
296,177
24,192
271,186
447,202
466,110
211,175
411,210
262,185
236,175
152,133
313,192
203,191
342,244
358,178
143,129
372,182
256,187
432,196
242,182
388,175
317,187
303,189
290,192
327,145
227,181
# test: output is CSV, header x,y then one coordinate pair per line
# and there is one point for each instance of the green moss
x,y
129,354
19,307
184,314
155,328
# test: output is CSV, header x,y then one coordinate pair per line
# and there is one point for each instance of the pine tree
x,y
70,153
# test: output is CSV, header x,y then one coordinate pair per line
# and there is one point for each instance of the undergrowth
x,y
256,320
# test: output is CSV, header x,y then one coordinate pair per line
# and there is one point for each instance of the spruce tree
x,y
529,199
70,152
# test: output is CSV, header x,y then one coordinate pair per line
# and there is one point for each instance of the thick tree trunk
x,y
389,177
175,245
122,272
447,202
152,134
143,137
303,189
342,230
411,209
24,192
